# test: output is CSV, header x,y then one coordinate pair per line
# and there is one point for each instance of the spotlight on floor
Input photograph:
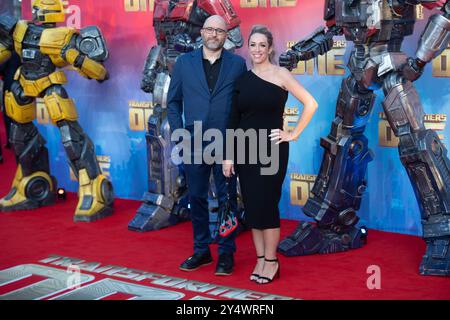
x,y
364,233
61,194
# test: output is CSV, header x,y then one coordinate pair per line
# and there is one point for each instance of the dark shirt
x,y
212,72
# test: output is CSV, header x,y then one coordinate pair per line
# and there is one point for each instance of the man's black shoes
x,y
196,261
225,265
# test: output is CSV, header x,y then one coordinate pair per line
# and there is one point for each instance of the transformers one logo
x,y
386,137
290,118
138,5
441,65
147,5
139,113
63,278
331,63
267,3
301,186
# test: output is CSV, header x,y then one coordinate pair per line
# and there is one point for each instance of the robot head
x,y
48,11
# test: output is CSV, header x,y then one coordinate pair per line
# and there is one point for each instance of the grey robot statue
x,y
177,25
377,28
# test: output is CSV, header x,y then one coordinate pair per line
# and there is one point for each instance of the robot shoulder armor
x,y
223,8
20,31
53,40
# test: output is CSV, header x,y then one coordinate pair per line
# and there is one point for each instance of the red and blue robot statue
x,y
377,29
177,26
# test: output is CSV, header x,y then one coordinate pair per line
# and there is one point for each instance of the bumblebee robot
x,y
44,48
177,25
377,29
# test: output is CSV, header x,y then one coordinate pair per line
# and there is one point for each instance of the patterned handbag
x,y
227,218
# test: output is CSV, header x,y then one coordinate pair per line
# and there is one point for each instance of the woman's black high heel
x,y
275,276
255,275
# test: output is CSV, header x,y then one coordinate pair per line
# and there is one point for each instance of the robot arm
x,y
318,43
153,65
436,35
234,39
433,41
7,25
86,52
429,4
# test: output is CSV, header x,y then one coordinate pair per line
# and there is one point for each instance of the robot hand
x,y
105,78
288,60
412,69
183,43
153,63
317,43
148,81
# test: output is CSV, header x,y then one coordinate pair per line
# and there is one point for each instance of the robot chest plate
x,y
32,37
362,13
362,19
32,57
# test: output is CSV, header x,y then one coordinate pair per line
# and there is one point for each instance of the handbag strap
x,y
227,186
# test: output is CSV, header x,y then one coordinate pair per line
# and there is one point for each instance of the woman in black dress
x,y
258,104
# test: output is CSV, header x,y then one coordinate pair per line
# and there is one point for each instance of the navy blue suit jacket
x,y
189,92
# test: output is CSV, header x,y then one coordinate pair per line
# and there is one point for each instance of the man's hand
x,y
412,69
288,60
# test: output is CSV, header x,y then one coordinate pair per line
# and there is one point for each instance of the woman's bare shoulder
x,y
284,75
282,72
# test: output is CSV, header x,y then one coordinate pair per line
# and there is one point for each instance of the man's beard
x,y
214,44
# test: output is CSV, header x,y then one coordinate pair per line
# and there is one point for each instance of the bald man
x,y
201,89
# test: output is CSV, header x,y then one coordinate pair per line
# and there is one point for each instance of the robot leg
x,y
95,191
166,202
32,186
337,192
425,159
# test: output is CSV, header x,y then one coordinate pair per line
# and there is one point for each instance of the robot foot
x,y
309,239
149,217
33,191
436,261
157,212
95,198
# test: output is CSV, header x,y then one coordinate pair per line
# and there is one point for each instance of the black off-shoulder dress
x,y
259,104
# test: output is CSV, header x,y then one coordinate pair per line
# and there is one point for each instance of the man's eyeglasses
x,y
210,30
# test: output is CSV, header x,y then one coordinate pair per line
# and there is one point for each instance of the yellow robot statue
x,y
44,48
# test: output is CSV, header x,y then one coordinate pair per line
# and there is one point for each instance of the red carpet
x,y
30,236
